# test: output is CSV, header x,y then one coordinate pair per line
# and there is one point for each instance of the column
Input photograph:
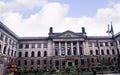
x,y
65,48
59,48
78,48
53,49
71,47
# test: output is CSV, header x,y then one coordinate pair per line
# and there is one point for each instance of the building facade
x,y
58,49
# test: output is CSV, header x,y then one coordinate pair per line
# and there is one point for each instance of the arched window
x,y
39,53
32,54
26,54
4,51
45,53
12,53
20,54
108,52
8,51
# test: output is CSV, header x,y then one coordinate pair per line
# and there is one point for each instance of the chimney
x,y
83,30
51,30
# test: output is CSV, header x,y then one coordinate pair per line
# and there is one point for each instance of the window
x,y
74,51
39,45
45,61
19,62
63,63
25,62
38,62
111,44
32,54
101,44
26,45
106,43
63,51
20,46
90,44
32,62
82,62
96,52
102,52
113,51
4,50
91,52
15,54
8,51
56,63
56,43
76,62
20,54
108,52
26,54
45,45
33,45
56,51
68,51
12,53
39,53
81,51
92,60
45,53
96,44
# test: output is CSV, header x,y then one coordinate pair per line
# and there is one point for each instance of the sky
x,y
35,17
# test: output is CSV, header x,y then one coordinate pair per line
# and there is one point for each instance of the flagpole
x,y
115,41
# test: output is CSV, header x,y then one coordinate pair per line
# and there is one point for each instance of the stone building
x,y
58,49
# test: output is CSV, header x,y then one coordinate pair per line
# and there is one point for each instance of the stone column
x,y
59,48
66,48
71,48
78,48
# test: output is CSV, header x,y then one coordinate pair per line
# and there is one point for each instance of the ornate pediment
x,y
69,34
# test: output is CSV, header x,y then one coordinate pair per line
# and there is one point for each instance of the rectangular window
x,y
33,45
82,61
76,62
45,61
39,45
56,63
26,45
32,62
20,46
90,44
63,63
101,44
45,45
91,52
38,62
111,44
92,60
106,43
63,51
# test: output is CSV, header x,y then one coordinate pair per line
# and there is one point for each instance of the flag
x,y
112,31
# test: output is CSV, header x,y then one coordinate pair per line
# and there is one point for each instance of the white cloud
x,y
55,14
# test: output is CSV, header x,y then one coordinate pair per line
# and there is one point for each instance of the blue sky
x,y
34,17
80,8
